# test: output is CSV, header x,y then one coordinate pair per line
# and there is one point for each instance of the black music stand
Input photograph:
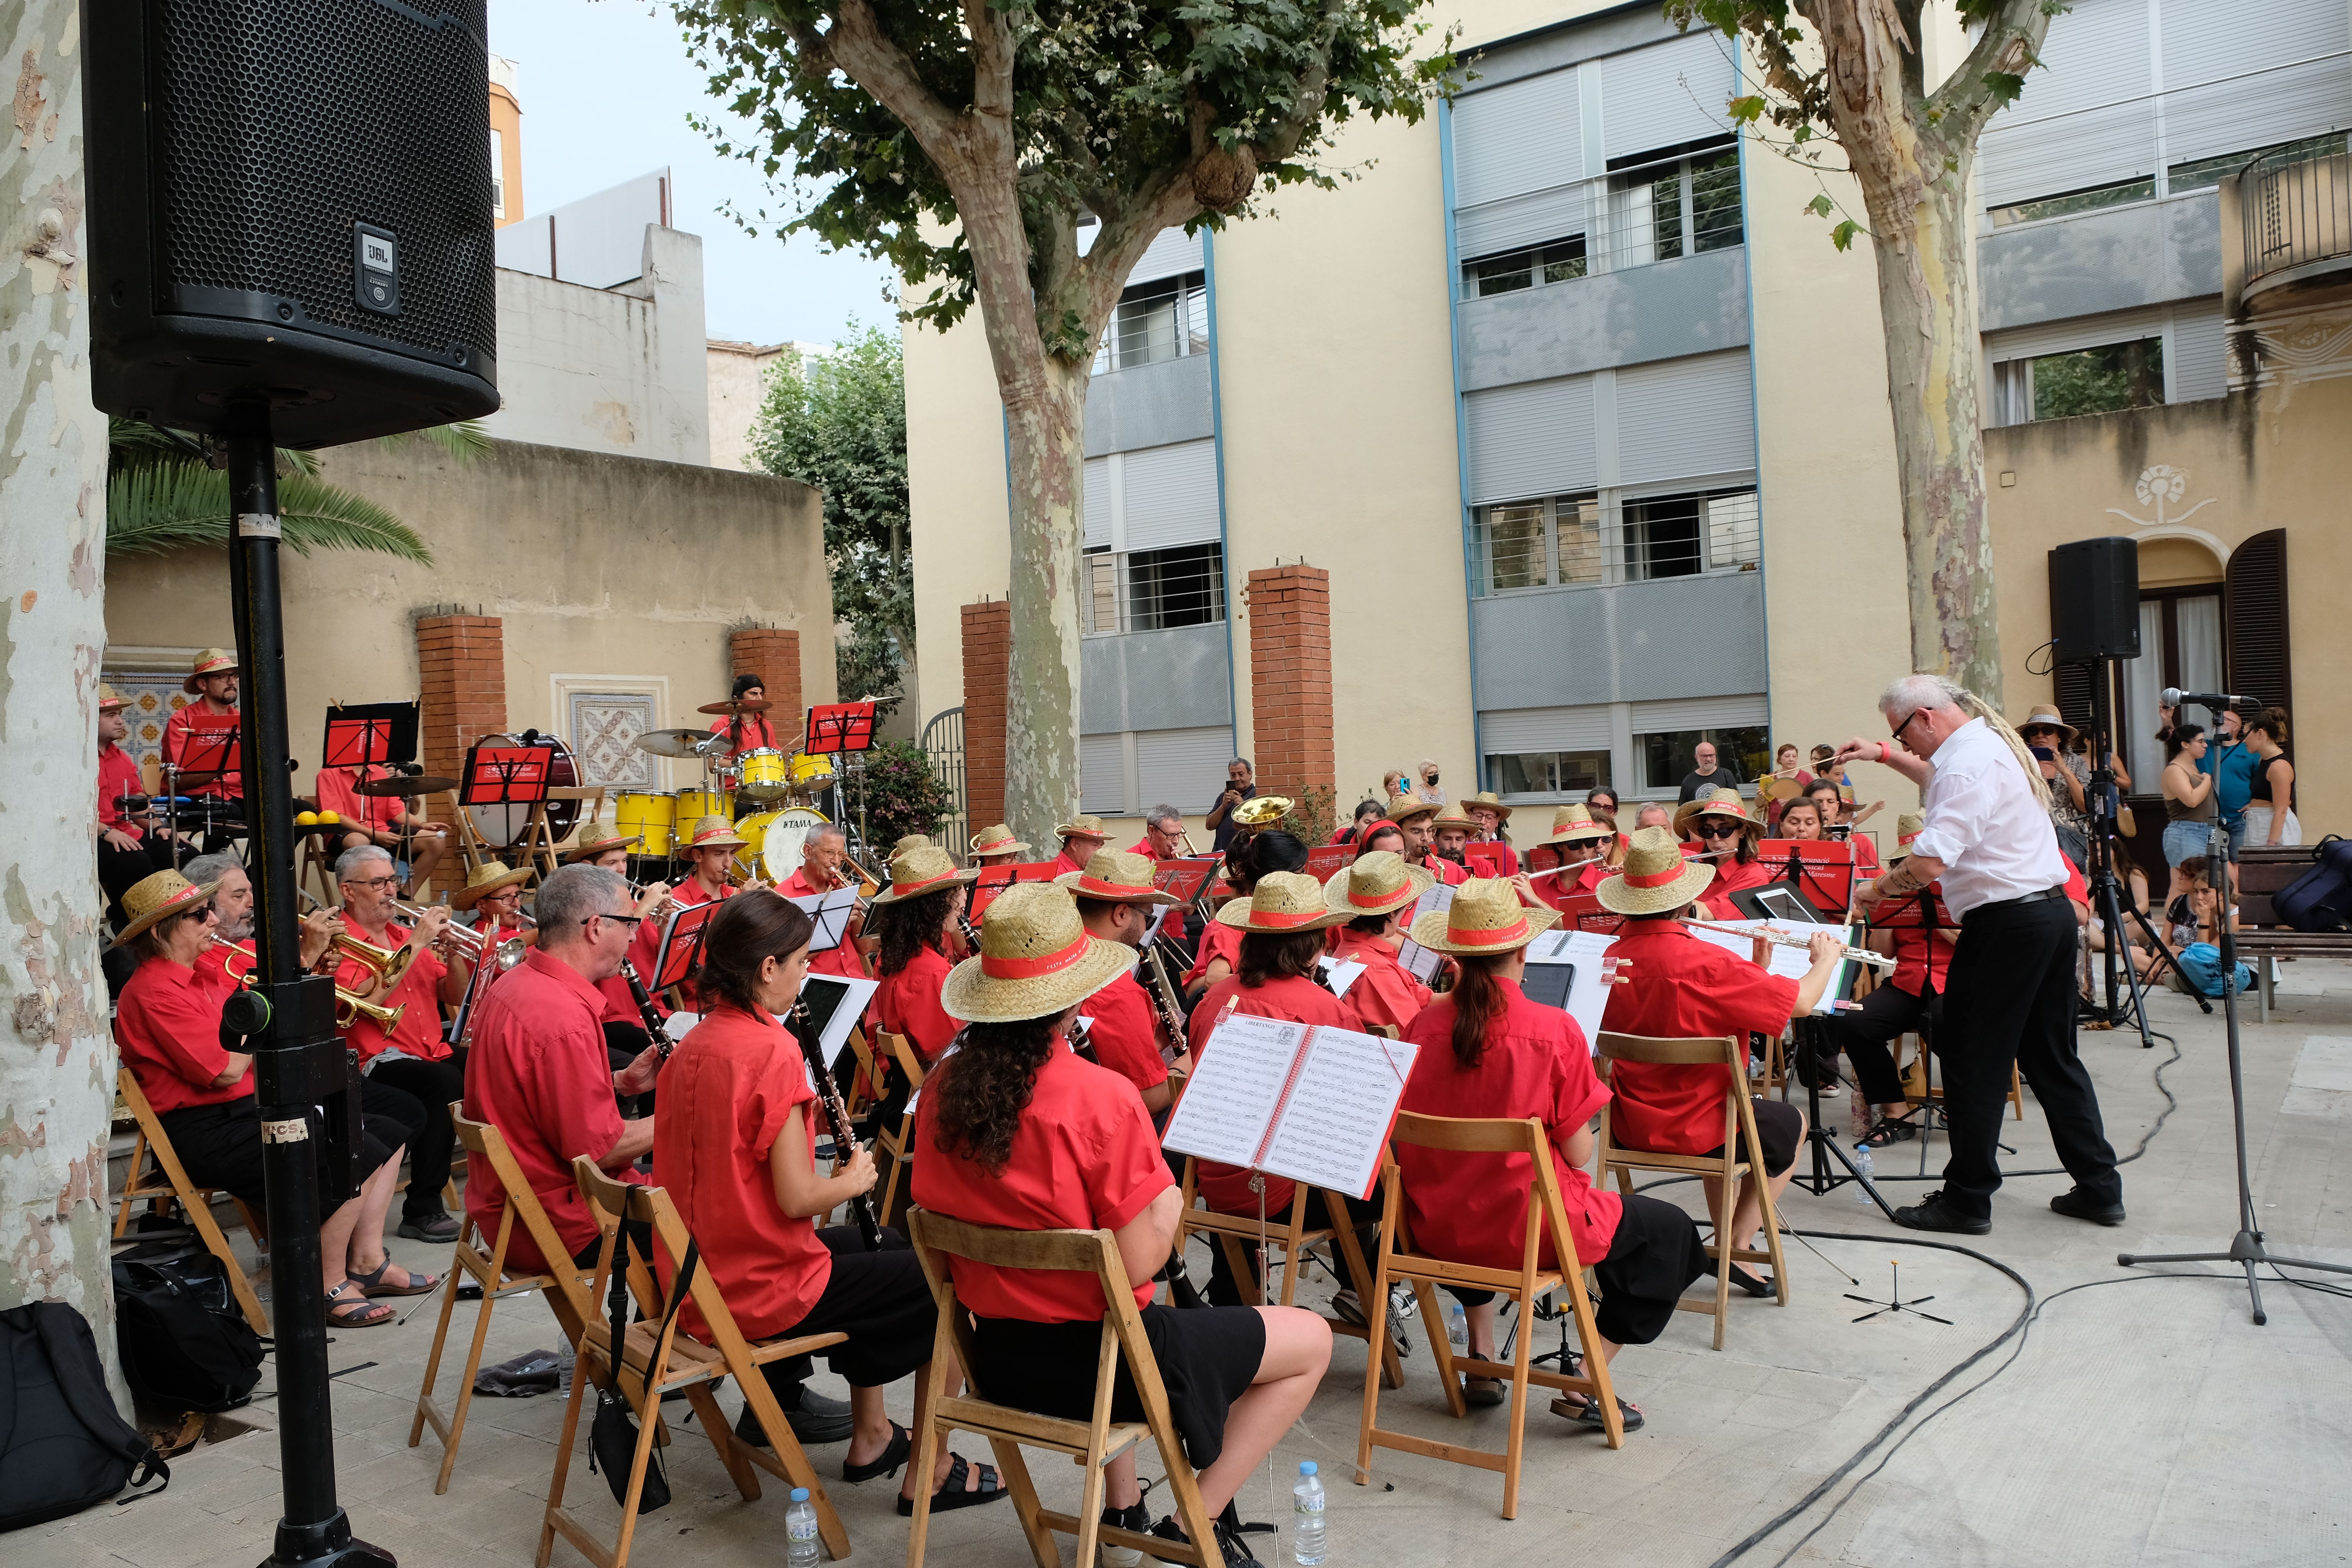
x,y
829,914
681,953
369,734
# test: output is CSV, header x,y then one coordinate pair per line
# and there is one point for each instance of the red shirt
x,y
646,946
167,1026
1444,870
1218,940
620,1007
843,960
538,1072
908,1003
1682,987
757,732
176,730
1386,992
1296,1001
1472,1208
1084,1158
337,792
1064,865
118,775
224,964
725,1097
1125,1032
419,992
1174,924
1730,876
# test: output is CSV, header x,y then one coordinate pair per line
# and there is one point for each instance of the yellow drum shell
x,y
646,815
761,773
809,769
694,805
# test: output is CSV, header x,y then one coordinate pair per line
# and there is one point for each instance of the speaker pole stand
x,y
299,1060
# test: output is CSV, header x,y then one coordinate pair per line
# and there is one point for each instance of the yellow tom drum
x,y
760,774
646,815
811,774
694,805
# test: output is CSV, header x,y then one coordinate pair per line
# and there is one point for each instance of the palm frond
x,y
165,506
463,441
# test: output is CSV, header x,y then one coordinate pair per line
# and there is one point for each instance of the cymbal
x,y
749,705
405,784
677,742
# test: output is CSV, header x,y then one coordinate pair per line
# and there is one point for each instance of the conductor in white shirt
x,y
2011,993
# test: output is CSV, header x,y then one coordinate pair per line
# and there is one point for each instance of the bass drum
x,y
782,834
503,826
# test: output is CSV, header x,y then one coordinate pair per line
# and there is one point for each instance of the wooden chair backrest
x,y
628,1201
522,1204
1705,1050
902,1050
1496,1135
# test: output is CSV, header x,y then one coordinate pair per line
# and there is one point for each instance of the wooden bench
x,y
2262,872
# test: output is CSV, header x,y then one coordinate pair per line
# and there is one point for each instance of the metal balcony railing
x,y
2286,218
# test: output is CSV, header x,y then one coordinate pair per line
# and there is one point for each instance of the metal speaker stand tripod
x,y
2107,895
1820,1178
2246,1247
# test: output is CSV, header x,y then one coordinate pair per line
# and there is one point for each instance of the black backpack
x,y
184,1344
2321,898
62,1444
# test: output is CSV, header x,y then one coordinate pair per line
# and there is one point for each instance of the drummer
x,y
995,845
747,731
386,821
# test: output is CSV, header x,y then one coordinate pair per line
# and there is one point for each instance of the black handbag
x,y
612,1432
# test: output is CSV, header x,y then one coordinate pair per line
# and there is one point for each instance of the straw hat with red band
x,y
1283,904
485,879
715,832
1035,959
1452,816
1378,883
1083,828
159,898
997,839
1487,800
1907,827
110,701
1723,800
923,868
589,848
1119,877
1404,808
1576,825
211,661
1655,879
1485,917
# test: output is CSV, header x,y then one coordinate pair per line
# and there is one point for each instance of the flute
x,y
1580,865
1790,939
836,1118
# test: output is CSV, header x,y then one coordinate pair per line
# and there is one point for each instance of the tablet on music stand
x,y
1780,902
840,727
369,734
681,944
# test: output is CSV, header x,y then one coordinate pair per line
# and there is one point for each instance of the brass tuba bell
x,y
1264,811
387,963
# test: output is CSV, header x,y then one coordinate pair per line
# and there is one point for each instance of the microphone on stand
x,y
2173,697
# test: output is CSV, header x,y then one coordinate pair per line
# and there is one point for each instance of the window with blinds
x,y
1156,321
1571,540
1153,590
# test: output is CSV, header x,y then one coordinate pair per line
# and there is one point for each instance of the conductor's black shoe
x,y
1932,1213
2074,1205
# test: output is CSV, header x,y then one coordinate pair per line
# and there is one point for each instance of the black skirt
x,y
1207,1358
881,1300
219,1146
1652,1257
1779,1126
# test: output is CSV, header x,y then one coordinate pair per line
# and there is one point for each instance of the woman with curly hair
x,y
913,919
1017,1133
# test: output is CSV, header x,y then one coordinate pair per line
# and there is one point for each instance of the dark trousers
x,y
1886,1015
434,1085
120,871
2010,997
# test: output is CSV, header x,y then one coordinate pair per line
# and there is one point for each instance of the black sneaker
x,y
814,1421
1932,1213
440,1227
1229,1542
2075,1205
1136,1517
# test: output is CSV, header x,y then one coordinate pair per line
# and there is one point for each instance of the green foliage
x,y
902,794
839,423
1315,815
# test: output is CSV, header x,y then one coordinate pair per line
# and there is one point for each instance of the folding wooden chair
x,y
563,1283
1092,1443
1919,1077
1547,1221
1728,1167
176,1188
655,1358
898,1145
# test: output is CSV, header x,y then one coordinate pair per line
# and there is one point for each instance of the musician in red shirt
x,y
1487,1051
1724,826
1081,836
1124,1028
1375,897
1493,818
995,845
1251,856
385,821
169,1027
126,856
1577,839
1910,1000
710,850
1164,839
735,1143
750,731
213,683
1679,987
624,1030
825,866
1018,1132
1416,824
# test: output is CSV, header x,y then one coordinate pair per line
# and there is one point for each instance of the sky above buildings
x,y
607,87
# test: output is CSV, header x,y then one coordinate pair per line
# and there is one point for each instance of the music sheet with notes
x,y
1418,961
1312,1104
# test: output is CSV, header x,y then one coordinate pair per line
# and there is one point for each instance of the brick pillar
x,y
987,667
462,661
775,657
1290,678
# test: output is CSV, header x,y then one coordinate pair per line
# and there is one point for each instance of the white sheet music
x,y
1236,1085
1340,973
830,911
1337,1119
1418,959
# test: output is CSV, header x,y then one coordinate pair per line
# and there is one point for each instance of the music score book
x,y
1311,1102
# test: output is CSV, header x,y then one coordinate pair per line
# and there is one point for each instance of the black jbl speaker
x,y
2095,600
289,200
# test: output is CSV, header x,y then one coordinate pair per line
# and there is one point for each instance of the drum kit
x,y
786,786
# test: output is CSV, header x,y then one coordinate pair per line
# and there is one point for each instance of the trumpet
x,y
1790,939
470,942
388,964
245,978
1264,811
351,1007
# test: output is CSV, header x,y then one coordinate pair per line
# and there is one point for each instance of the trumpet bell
x,y
388,964
1264,811
350,1008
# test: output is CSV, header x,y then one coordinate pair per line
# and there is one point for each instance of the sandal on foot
x,y
1584,1412
373,1281
1482,1393
952,1492
357,1313
1753,1284
1888,1129
901,1449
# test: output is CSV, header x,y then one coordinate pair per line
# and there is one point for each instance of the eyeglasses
x,y
1906,723
632,921
375,884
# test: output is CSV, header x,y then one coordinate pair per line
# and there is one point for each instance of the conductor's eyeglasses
x,y
1908,722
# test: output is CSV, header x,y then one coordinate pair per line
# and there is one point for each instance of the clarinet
x,y
836,1118
656,1026
1162,992
1082,1043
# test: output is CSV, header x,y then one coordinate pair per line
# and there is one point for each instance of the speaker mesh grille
x,y
286,122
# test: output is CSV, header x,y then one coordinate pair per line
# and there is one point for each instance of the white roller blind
x,y
1530,440
2076,332
1666,94
1697,713
1182,768
1102,774
1172,255
1509,730
2199,363
1520,137
1098,504
1169,495
1516,223
2088,117
1681,417
2213,102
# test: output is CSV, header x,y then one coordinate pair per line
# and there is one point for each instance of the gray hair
x,y
570,895
1159,813
1665,817
828,830
351,860
1241,761
208,867
1916,691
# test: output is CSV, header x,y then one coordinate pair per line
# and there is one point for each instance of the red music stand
x,y
840,727
509,775
994,880
681,953
211,746
369,734
1584,912
1487,859
1325,861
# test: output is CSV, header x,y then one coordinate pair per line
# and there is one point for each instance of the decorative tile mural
x,y
602,725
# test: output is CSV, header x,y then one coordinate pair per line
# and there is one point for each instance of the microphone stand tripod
x,y
2246,1246
2106,891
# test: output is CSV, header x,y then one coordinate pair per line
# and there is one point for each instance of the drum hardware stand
x,y
2246,1248
1881,1309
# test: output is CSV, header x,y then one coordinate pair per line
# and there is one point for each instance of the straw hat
x,y
997,840
1485,917
1452,816
483,881
1909,826
923,867
2044,715
211,661
1378,883
1284,903
1655,879
1083,828
1035,959
589,848
1404,808
911,841
1491,801
110,701
1723,800
158,898
715,832
1117,876
1576,824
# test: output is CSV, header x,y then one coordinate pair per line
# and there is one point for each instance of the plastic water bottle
x,y
801,1549
1457,1328
1863,1168
1307,1517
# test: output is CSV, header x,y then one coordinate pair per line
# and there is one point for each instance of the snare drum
x,y
761,773
694,805
646,815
